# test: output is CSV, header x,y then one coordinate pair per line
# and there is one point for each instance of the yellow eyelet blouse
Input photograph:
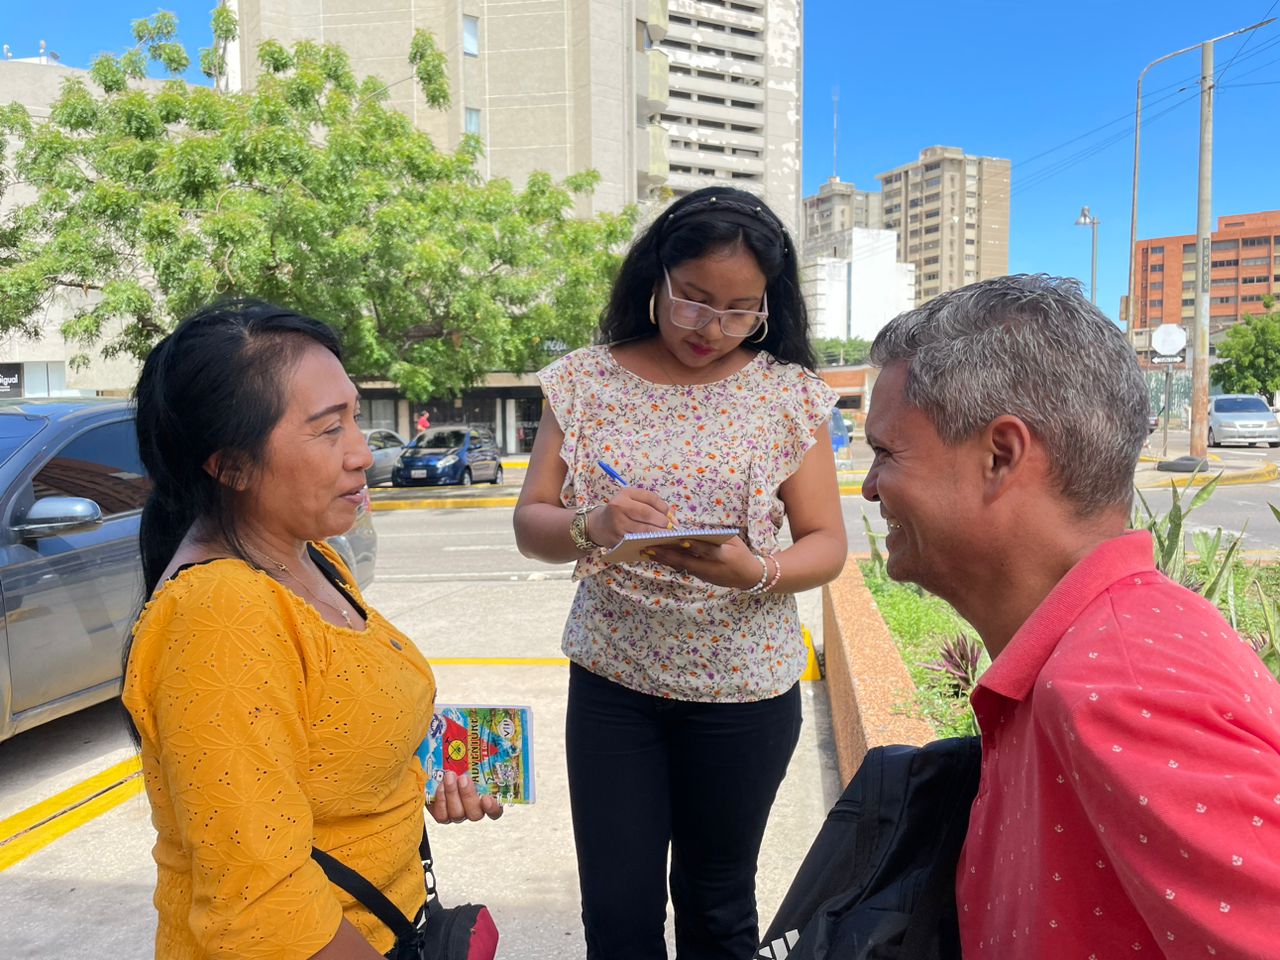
x,y
267,730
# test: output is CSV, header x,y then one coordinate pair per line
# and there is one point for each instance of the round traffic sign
x,y
1168,338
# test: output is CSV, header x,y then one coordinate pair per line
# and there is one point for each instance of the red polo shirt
x,y
1130,796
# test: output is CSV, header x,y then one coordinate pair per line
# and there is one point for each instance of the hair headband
x,y
731,209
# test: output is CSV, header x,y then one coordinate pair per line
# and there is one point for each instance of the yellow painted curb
x,y
454,503
811,670
1263,474
38,826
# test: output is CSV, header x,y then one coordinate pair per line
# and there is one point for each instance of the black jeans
x,y
647,774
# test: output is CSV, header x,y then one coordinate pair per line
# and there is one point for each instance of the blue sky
x,y
1017,78
1007,78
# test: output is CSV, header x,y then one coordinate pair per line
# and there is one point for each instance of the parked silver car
x,y
1242,418
70,573
386,447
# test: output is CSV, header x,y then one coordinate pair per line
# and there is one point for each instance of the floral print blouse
x,y
717,453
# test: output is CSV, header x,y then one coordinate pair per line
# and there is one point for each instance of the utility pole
x,y
1204,244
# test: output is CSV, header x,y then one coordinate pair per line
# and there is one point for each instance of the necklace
x,y
283,568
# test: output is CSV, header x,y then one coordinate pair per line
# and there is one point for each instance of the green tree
x,y
833,351
309,191
1249,355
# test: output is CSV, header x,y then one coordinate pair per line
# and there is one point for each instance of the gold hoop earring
x,y
652,319
764,332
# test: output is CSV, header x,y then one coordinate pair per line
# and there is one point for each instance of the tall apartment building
x,y
554,85
833,212
951,212
733,112
1244,266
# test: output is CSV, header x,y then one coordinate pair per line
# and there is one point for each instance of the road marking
x,y
532,576
38,826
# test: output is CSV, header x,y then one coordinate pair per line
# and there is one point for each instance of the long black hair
x,y
708,221
214,385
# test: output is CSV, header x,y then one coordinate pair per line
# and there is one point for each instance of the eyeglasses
x,y
691,315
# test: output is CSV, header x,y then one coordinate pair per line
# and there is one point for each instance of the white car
x,y
1242,418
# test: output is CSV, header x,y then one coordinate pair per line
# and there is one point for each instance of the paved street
x,y
490,620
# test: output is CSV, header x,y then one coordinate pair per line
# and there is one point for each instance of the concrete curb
x,y
868,685
442,503
1263,474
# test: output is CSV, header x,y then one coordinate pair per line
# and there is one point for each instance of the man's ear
x,y
228,470
1008,453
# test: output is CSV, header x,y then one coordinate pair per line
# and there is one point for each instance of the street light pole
x,y
1204,261
1130,313
1088,220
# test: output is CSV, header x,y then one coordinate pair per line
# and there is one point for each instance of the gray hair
x,y
1033,347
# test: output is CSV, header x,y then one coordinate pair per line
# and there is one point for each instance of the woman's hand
x,y
630,511
728,564
456,800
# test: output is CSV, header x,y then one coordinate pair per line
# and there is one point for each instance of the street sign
x,y
1168,338
1180,358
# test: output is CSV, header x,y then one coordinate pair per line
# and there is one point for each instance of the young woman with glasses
x,y
683,698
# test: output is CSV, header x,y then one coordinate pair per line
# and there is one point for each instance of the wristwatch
x,y
578,530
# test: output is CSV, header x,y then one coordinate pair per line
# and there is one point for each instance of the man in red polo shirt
x,y
1130,795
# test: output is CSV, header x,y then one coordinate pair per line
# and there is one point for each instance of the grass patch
x,y
920,623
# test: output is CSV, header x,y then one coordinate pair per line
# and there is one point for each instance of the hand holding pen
x,y
630,510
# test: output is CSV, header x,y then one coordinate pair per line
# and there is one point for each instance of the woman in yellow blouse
x,y
276,710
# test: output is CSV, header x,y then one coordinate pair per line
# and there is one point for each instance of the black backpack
x,y
878,883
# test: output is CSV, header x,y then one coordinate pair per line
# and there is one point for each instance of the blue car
x,y
449,455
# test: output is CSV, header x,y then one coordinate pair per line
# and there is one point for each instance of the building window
x,y
1253,279
1225,245
1254,261
1223,300
1223,282
473,121
1188,285
1189,303
1224,263
1157,251
1155,304
1188,248
471,36
1157,268
1256,241
1158,285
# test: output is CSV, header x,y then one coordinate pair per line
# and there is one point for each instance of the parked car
x,y
385,445
70,572
459,453
1242,418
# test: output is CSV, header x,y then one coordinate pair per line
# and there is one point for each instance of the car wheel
x,y
465,479
497,477
1213,441
1273,443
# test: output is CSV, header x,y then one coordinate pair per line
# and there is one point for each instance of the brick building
x,y
1244,267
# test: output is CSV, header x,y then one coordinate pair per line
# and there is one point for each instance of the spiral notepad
x,y
627,550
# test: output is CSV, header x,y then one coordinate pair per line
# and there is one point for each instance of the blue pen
x,y
616,477
613,474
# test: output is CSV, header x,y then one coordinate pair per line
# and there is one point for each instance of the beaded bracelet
x,y
777,574
764,575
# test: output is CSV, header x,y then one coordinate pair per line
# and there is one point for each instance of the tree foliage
x,y
1249,355
836,351
309,191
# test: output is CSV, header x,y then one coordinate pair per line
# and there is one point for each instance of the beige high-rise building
x,y
833,212
733,111
951,212
559,86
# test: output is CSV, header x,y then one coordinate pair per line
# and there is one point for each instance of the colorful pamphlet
x,y
627,550
491,745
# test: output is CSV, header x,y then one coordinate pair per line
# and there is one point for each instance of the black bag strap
x,y
366,893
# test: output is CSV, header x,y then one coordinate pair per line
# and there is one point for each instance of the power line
x,y
1240,49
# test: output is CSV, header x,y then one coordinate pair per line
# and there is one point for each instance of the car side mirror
x,y
54,516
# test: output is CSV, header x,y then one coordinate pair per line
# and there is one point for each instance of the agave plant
x,y
959,658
